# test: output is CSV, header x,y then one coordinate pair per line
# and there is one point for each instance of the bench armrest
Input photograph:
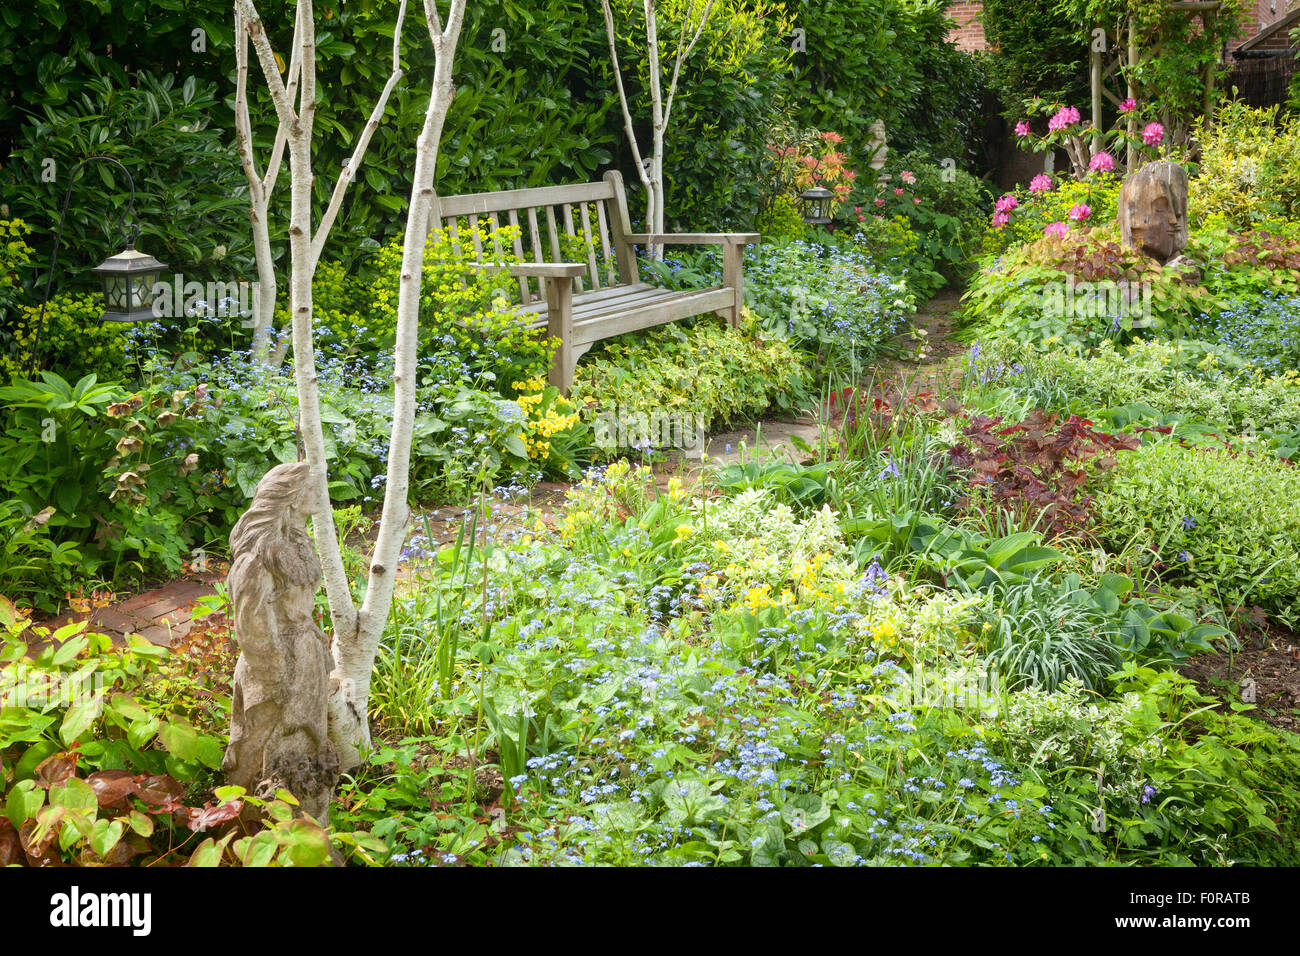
x,y
693,238
536,270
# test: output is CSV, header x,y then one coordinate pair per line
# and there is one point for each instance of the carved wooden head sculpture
x,y
1153,210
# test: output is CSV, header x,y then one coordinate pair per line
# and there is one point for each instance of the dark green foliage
x,y
1038,52
880,59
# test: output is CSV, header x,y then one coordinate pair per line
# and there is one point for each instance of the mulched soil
x,y
1268,667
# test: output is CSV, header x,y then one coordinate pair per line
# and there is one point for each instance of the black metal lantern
x,y
815,204
129,278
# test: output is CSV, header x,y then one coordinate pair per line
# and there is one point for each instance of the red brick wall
x,y
1259,15
968,33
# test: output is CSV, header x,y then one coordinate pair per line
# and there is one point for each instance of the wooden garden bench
x,y
581,303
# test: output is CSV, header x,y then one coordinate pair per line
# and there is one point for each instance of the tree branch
x,y
266,58
351,165
622,96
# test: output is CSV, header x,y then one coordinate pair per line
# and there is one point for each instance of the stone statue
x,y
878,147
278,723
1153,210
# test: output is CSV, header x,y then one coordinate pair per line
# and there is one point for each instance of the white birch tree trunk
x,y
355,657
356,631
651,170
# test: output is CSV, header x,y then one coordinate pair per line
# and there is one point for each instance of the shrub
x,y
1057,731
1225,522
829,298
781,220
73,339
1035,211
191,195
1025,293
1250,167
946,216
469,330
706,371
1172,379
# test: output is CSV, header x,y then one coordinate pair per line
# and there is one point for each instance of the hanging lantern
x,y
815,204
129,278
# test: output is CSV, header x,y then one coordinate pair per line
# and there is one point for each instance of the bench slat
x,y
554,236
525,291
536,240
482,203
592,268
453,227
610,275
590,330
567,212
609,293
476,238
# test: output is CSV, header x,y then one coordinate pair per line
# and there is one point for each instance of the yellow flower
x,y
684,531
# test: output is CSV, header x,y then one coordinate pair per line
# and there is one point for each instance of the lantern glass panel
x,y
116,292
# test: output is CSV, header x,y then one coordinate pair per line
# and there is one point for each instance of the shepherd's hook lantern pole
x,y
128,278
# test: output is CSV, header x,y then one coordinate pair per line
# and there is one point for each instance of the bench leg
x,y
559,324
733,277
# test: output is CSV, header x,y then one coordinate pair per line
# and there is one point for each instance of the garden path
x,y
163,615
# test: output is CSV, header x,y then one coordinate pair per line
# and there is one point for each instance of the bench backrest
x,y
593,217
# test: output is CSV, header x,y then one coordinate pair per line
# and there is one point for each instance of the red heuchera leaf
x,y
113,788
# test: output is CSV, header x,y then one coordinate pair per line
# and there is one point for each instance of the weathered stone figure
x,y
1153,210
278,723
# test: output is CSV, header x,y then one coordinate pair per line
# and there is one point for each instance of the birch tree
x,y
694,19
356,630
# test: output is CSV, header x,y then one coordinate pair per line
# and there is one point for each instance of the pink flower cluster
x,y
1006,203
1153,134
1102,162
1057,229
1022,129
907,176
1066,117
1042,183
1128,106
1080,212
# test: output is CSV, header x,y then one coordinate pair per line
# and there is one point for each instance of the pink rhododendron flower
x,y
1006,203
898,191
1058,229
1067,116
1103,162
1022,129
916,200
861,218
880,202
907,176
1153,134
1000,219
1128,106
1042,183
1080,212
